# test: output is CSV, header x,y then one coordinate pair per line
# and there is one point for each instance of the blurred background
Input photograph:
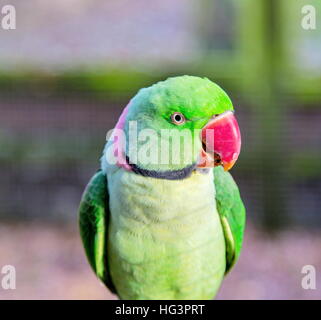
x,y
70,67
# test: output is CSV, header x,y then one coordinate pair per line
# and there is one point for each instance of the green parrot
x,y
163,218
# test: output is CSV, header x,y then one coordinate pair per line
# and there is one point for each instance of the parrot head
x,y
178,125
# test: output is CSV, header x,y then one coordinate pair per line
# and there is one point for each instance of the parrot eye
x,y
178,118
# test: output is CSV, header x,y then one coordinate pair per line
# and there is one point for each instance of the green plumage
x,y
149,238
232,213
94,219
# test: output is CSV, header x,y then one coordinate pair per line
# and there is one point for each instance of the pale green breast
x,y
165,237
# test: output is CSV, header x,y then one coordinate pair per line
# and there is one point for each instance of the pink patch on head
x,y
119,144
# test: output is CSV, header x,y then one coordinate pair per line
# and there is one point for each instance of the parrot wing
x,y
93,223
232,214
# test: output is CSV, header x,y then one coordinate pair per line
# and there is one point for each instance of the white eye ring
x,y
178,118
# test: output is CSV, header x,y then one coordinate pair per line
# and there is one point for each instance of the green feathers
x,y
232,213
93,225
157,238
197,98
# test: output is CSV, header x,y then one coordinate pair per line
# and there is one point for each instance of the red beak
x,y
221,140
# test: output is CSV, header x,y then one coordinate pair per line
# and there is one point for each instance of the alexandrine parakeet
x,y
163,217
